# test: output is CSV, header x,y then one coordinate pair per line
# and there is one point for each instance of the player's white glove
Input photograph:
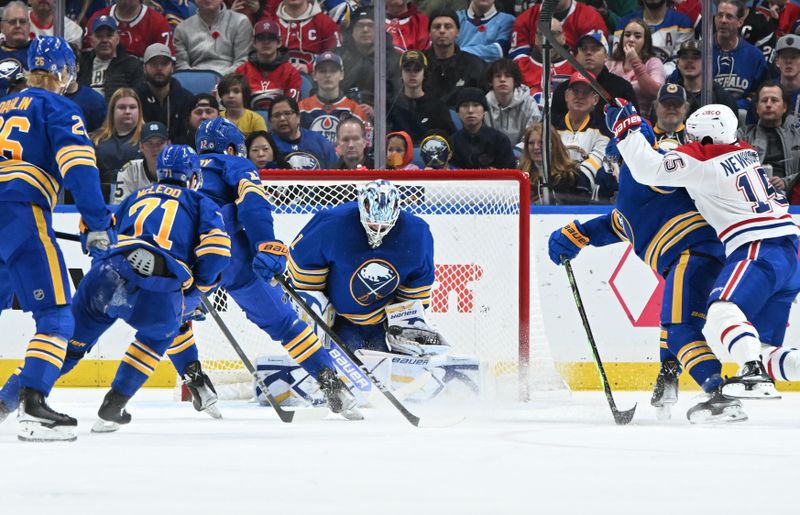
x,y
407,332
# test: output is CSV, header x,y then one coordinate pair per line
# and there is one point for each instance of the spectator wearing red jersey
x,y
576,19
530,65
215,39
785,12
322,112
305,30
139,26
407,26
268,70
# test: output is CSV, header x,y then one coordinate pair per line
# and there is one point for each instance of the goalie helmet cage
x,y
480,221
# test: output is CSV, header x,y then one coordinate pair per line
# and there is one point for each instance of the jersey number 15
x,y
754,185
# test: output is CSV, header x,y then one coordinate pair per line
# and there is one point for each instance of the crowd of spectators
x,y
463,80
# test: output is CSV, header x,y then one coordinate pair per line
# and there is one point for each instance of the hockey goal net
x,y
480,299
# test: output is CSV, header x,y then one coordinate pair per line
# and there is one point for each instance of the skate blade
x,y
352,414
105,426
213,411
758,391
664,412
28,431
728,414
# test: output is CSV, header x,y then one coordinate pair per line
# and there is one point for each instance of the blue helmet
x,y
179,163
217,135
379,208
53,55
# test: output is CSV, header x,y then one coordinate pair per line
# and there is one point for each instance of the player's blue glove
x,y
270,259
567,242
97,243
620,120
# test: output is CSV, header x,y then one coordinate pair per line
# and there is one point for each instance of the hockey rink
x,y
559,455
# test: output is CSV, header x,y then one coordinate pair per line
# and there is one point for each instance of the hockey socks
x,y
138,364
183,351
43,361
306,350
782,364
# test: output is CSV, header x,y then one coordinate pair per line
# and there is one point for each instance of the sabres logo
x,y
303,161
374,280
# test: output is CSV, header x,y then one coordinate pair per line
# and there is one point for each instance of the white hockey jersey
x,y
726,182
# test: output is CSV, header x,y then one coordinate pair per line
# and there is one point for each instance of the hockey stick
x,y
67,236
300,415
415,420
620,417
543,26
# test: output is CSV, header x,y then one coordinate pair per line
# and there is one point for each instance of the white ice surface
x,y
548,457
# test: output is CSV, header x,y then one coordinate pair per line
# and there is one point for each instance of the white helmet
x,y
379,208
714,121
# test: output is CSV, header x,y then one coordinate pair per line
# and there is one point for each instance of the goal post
x,y
480,221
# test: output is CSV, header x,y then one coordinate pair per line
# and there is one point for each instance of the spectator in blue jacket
x,y
485,31
303,149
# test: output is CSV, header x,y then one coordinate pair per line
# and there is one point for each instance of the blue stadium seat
x,y
198,81
456,120
265,116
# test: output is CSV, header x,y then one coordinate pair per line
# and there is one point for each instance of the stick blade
x,y
435,422
624,417
302,414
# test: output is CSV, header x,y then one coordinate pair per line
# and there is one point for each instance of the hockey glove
x,y
621,120
270,259
567,242
97,243
407,332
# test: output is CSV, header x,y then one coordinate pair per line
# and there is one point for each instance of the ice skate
x,y
753,382
339,398
716,408
40,423
204,396
665,392
4,411
112,413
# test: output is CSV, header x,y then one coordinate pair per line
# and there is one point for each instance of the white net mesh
x,y
475,300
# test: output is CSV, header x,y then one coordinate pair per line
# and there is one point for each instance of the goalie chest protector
x,y
331,254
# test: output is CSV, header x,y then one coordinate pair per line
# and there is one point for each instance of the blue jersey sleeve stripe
x,y
419,289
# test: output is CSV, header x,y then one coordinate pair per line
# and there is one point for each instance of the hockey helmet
x,y
714,123
217,134
53,55
179,164
435,152
379,208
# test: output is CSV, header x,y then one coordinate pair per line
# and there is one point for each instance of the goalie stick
x,y
299,415
543,26
620,417
413,419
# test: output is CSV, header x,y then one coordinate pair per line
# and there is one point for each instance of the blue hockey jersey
x,y
659,223
44,145
180,224
331,254
311,151
740,71
233,183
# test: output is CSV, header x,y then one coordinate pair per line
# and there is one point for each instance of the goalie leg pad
x,y
288,382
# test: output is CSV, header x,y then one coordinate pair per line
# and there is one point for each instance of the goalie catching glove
x,y
270,260
407,332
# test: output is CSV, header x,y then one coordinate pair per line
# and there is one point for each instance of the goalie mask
x,y
714,123
379,208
